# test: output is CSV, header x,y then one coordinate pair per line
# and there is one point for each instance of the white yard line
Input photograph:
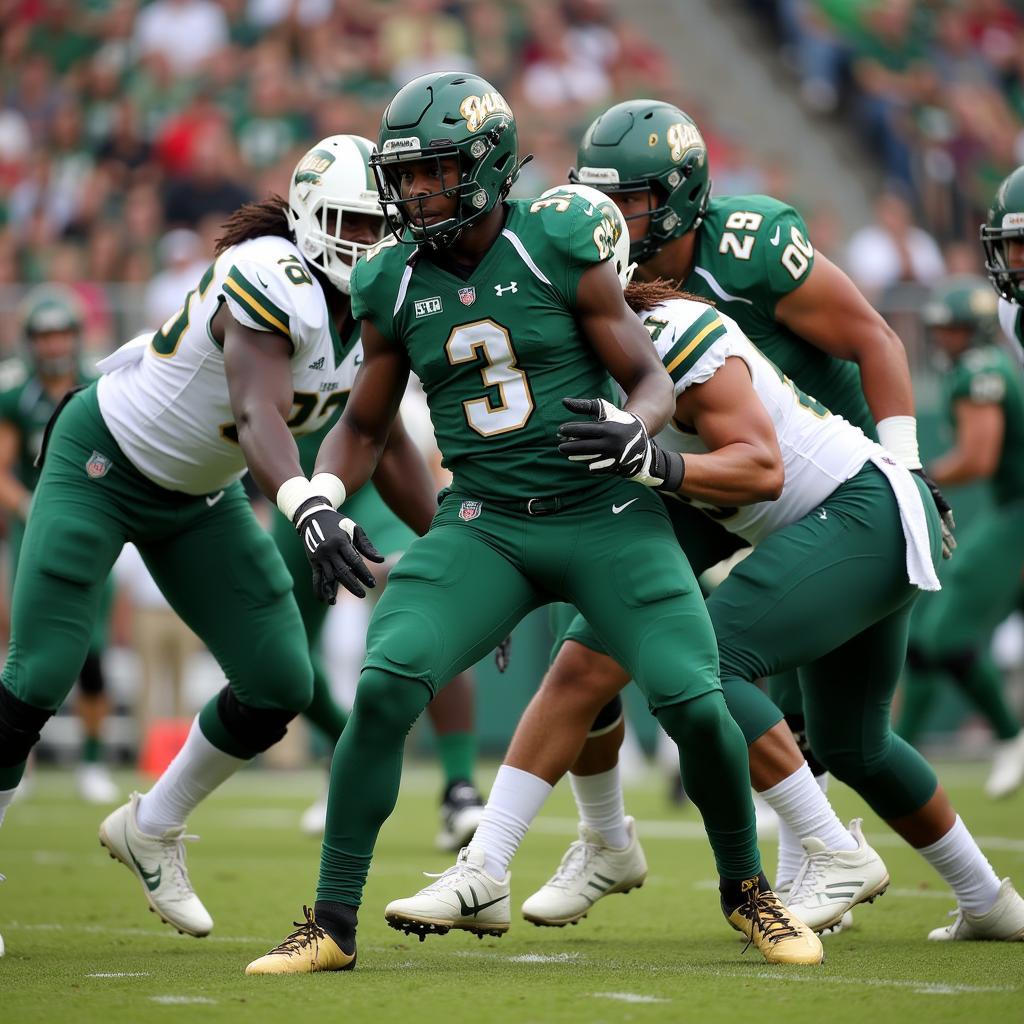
x,y
119,974
629,997
182,1000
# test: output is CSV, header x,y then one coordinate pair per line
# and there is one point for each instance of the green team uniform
x,y
520,526
951,630
25,404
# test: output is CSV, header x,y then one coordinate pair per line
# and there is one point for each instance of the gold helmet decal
x,y
681,138
312,166
477,109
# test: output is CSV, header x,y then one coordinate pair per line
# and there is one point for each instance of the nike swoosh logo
x,y
259,277
150,878
472,911
824,514
212,499
616,509
775,237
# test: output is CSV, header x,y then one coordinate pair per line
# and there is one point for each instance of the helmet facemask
x,y
1008,280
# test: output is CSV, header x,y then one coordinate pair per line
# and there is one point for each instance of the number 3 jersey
x,y
165,397
497,352
819,451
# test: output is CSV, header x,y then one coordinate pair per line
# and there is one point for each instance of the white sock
x,y
600,802
516,799
962,865
791,851
803,807
6,796
197,770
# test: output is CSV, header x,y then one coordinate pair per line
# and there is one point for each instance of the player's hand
x,y
945,513
503,654
616,442
335,547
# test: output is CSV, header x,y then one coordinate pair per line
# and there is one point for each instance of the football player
x,y
31,390
838,561
1002,239
504,308
950,633
263,348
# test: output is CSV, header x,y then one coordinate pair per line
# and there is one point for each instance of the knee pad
x,y
20,725
691,722
798,727
607,718
256,729
388,703
90,678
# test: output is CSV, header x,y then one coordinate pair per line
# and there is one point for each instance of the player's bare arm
x,y
403,480
259,376
14,495
354,446
744,464
979,443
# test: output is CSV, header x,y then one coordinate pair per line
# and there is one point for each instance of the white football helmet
x,y
332,178
620,229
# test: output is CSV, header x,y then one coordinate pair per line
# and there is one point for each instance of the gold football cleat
x,y
309,948
781,937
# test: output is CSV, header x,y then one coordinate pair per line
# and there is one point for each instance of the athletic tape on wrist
x,y
292,493
898,434
330,487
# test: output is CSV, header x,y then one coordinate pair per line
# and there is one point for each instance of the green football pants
x,y
214,563
461,588
950,631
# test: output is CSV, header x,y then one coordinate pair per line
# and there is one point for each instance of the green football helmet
x,y
446,114
1005,222
647,145
964,301
49,309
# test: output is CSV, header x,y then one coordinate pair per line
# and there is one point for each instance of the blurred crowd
x,y
935,87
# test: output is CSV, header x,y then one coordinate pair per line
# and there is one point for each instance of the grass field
x,y
81,947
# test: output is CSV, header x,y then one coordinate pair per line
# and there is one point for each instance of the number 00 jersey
x,y
498,351
165,399
819,451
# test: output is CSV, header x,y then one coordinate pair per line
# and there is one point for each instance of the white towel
x,y
920,570
129,353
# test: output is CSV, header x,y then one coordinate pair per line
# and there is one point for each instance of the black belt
x,y
541,506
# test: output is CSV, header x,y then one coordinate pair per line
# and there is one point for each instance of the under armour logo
x,y
317,364
499,290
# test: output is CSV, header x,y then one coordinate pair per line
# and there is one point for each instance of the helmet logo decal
x,y
598,175
477,109
1013,220
478,149
401,145
682,137
479,199
312,166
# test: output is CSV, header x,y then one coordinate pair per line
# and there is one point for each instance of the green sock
x,y
457,751
92,750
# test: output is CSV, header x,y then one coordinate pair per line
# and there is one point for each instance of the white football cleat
x,y
462,807
1003,923
463,897
159,864
846,921
831,882
589,871
314,818
1007,773
95,786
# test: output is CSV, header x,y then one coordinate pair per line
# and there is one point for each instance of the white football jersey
x,y
819,451
165,398
1010,319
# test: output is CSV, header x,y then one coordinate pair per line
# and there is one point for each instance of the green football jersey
x,y
987,376
25,404
752,251
497,352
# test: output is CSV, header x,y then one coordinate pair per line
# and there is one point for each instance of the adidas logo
x,y
317,364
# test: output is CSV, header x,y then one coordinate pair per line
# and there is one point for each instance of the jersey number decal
x,y
304,404
796,257
166,340
485,339
740,220
295,271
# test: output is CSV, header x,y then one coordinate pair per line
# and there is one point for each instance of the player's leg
x,y
223,576
92,706
847,696
450,599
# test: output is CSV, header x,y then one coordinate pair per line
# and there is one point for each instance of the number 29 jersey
x,y
165,397
497,352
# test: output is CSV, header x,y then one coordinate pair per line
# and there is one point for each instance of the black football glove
x,y
335,547
945,513
616,442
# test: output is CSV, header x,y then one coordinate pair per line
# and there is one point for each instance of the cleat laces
x,y
307,933
575,862
178,862
766,912
450,876
807,876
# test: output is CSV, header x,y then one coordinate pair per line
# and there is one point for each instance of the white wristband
x,y
899,435
292,493
330,487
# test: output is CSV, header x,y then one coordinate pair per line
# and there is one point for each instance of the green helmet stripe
x,y
365,151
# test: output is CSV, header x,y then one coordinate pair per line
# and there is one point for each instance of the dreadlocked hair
x,y
255,220
644,295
